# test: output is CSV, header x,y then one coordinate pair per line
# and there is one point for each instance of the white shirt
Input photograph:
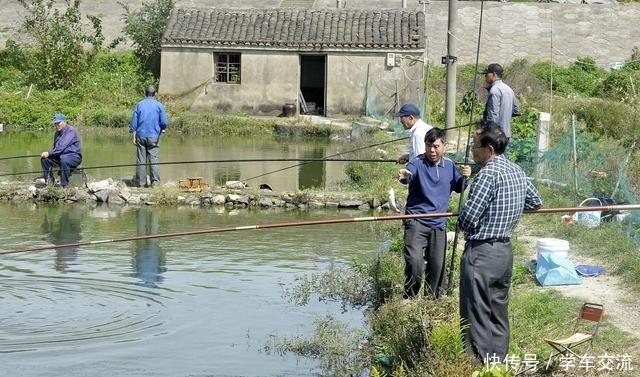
x,y
416,138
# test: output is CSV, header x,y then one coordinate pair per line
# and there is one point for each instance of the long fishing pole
x,y
466,153
608,208
16,157
340,153
305,160
238,160
319,159
330,156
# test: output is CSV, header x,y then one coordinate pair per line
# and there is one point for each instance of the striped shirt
x,y
497,197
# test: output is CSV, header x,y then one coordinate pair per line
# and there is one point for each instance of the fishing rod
x,y
609,208
351,151
466,152
328,157
309,160
16,157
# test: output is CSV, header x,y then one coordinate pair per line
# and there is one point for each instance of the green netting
x,y
592,171
598,170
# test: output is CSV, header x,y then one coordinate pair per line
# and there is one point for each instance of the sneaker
x,y
39,181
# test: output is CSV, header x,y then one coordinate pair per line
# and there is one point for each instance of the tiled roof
x,y
297,28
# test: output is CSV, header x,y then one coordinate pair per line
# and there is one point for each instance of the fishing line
x,y
466,153
605,208
327,158
214,161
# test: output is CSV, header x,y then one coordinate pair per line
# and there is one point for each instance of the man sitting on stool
x,y
65,152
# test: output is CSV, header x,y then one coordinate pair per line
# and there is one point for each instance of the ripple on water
x,y
41,312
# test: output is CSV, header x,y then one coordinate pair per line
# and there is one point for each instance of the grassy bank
x,y
422,337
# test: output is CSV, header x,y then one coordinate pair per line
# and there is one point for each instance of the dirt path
x,y
622,309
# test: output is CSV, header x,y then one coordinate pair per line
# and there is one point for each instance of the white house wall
x,y
347,85
270,79
183,70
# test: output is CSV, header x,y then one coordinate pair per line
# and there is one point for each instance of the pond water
x,y
100,150
186,306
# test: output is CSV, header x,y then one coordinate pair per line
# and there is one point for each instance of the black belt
x,y
492,240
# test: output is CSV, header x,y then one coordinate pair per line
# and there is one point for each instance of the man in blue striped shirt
x,y
431,178
497,197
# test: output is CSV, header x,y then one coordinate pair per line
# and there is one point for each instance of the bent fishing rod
x,y
341,153
605,208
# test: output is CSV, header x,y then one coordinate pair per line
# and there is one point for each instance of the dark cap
x,y
492,68
58,118
408,109
151,90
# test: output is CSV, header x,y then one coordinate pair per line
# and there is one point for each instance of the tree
x,y
59,39
146,27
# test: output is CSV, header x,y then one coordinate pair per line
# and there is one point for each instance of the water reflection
x,y
312,174
63,227
148,261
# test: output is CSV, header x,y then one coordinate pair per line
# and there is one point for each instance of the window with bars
x,y
227,68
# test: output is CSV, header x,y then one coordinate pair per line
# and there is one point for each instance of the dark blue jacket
x,y
65,142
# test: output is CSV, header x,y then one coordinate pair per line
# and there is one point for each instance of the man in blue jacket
x,y
148,122
431,178
65,152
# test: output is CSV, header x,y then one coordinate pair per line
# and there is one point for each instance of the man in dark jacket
x,y
65,152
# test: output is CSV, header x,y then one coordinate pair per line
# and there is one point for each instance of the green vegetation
x,y
58,56
422,337
98,88
145,26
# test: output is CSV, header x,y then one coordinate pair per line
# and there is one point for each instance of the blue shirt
x,y
149,118
497,197
65,142
430,186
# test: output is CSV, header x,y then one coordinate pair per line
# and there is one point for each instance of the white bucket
x,y
590,219
552,245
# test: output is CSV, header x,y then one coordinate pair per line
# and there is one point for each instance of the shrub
x,y
59,55
145,26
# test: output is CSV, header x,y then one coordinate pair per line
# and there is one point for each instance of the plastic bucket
x,y
552,245
590,219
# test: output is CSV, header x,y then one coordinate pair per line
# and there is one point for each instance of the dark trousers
x,y
485,277
423,245
147,152
66,162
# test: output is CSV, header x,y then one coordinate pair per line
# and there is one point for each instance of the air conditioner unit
x,y
391,60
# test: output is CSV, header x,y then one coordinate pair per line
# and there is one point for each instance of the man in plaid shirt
x,y
497,197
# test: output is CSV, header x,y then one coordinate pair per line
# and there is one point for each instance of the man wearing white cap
x,y
409,115
65,152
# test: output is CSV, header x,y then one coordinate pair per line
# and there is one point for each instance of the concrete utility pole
x,y
450,62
